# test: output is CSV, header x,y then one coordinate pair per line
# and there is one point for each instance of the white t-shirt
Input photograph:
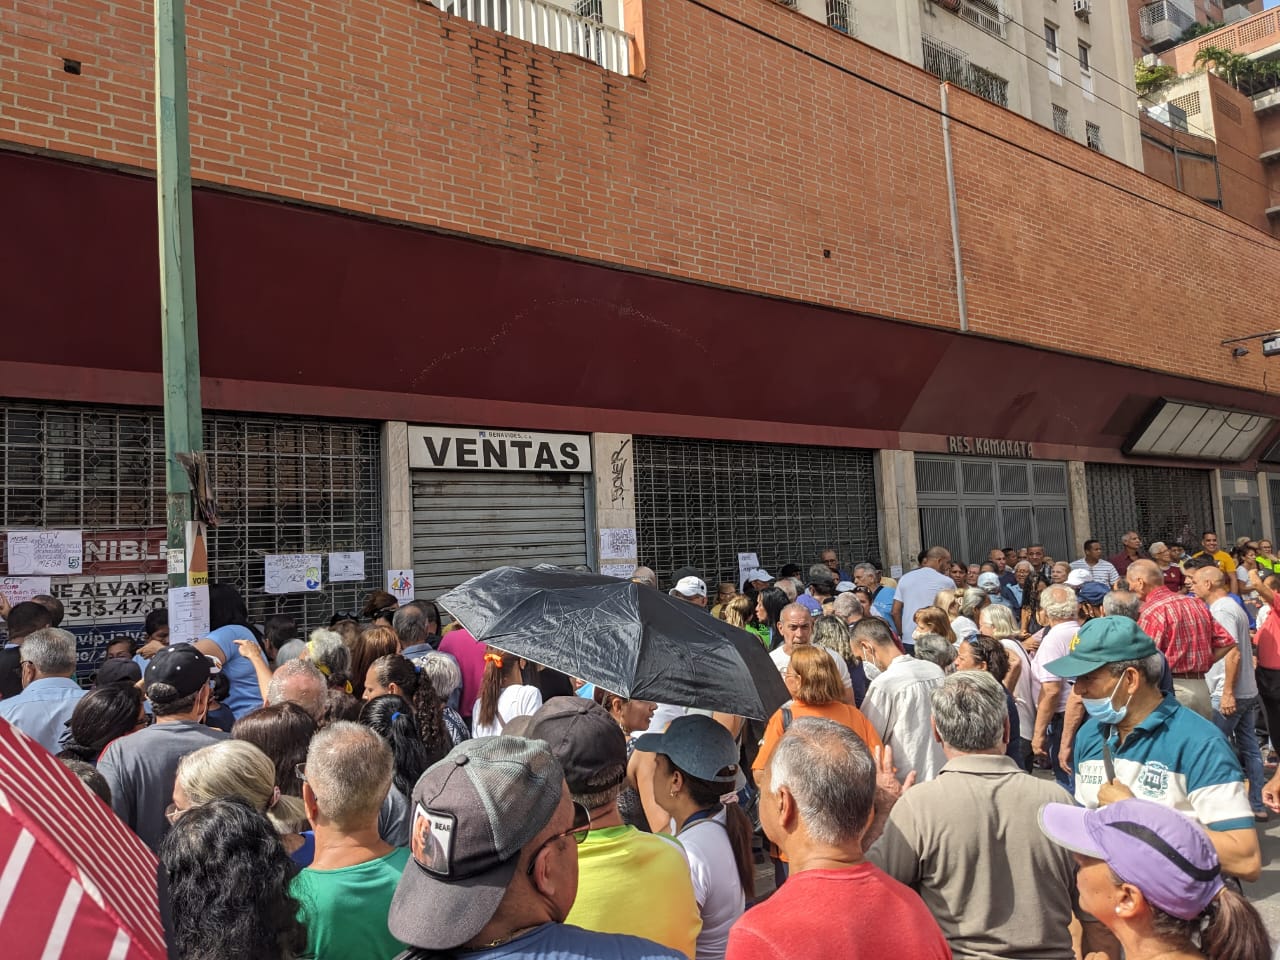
x,y
920,588
1026,692
1235,621
716,887
1056,644
517,700
781,658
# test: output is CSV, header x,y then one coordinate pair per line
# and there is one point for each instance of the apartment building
x,y
1157,25
1239,112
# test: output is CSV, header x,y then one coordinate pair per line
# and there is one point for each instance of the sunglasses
x,y
581,827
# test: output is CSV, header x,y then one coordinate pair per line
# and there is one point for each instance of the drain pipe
x,y
962,302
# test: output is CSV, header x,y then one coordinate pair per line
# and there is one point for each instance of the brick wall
x,y
1189,166
735,160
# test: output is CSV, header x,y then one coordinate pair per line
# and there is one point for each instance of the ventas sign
x,y
452,448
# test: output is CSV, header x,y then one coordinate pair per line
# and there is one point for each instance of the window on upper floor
x,y
1093,136
1050,37
1084,58
1061,120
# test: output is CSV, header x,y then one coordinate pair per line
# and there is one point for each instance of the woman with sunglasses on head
x,y
697,764
1151,877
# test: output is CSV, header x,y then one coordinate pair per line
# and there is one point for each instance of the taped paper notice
x,y
617,543
346,567
292,572
45,552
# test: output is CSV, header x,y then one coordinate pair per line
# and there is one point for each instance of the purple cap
x,y
1161,852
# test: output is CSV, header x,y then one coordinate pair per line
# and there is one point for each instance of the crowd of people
x,y
1016,758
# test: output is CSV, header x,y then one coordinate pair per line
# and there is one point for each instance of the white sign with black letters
x,y
458,448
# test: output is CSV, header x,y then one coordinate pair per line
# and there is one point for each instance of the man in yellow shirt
x,y
628,882
1209,545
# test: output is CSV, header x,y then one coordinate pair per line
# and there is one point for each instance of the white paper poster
x,y
188,614
45,552
746,561
346,567
21,589
292,572
617,543
400,585
622,571
895,571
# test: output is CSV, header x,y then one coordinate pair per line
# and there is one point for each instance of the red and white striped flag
x,y
75,882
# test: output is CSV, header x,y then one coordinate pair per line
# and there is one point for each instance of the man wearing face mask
x,y
1141,743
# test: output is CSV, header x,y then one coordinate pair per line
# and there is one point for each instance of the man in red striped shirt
x,y
1184,631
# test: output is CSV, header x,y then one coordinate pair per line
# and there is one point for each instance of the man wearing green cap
x,y
1140,743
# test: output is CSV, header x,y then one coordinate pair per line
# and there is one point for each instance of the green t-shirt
x,y
345,910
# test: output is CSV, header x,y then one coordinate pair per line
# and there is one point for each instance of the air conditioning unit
x,y
1081,8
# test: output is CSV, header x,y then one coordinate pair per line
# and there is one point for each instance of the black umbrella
x,y
628,639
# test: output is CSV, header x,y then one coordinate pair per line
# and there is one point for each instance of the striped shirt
x,y
1175,758
1103,572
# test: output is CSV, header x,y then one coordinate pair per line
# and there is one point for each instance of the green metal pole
x,y
180,341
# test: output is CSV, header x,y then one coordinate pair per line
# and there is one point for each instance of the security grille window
x,y
1061,123
986,15
1093,136
1161,503
700,502
971,506
282,485
952,65
838,15
1241,508
591,9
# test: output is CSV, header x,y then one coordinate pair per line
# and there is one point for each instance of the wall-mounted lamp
x,y
1270,343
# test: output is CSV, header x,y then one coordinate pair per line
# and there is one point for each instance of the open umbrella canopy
x,y
628,639
75,882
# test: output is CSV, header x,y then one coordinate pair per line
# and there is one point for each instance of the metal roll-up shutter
x,y
1161,503
465,523
700,502
283,484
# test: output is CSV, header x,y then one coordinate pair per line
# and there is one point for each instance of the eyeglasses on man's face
x,y
581,827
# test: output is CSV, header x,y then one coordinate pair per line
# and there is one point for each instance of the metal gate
x,y
283,485
972,506
1241,508
467,522
700,502
1160,503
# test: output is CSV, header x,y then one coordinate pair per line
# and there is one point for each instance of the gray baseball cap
x,y
697,745
473,812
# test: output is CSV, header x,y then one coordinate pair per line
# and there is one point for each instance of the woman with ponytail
x,y
503,694
395,675
391,717
697,761
1151,877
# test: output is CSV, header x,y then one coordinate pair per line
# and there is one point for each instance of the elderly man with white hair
x,y
47,660
997,887
300,682
1058,609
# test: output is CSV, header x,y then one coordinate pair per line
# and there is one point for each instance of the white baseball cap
x,y
1078,578
757,574
690,587
845,586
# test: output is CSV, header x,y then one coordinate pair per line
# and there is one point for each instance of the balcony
x,y
1162,23
548,25
952,65
986,15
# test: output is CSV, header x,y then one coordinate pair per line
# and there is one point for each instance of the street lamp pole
x,y
180,342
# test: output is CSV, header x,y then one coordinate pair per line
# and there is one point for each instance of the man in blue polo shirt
x,y
1141,743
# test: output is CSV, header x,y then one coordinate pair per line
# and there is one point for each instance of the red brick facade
x,y
735,160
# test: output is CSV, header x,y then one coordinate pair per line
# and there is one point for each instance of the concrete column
x,y
1264,505
615,498
397,497
896,508
1219,513
1078,505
